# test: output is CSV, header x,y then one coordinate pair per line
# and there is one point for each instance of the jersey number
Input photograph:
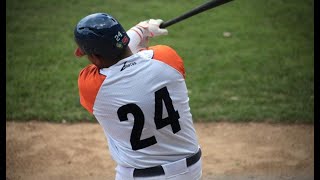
x,y
160,122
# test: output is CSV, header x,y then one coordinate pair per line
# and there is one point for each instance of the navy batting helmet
x,y
101,34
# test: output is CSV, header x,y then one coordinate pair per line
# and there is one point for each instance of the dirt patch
x,y
242,151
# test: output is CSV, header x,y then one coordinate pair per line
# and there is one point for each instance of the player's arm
x,y
140,34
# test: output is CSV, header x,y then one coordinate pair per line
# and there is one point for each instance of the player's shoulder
x,y
90,72
161,50
169,56
89,82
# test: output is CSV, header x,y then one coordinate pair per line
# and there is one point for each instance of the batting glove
x,y
150,28
140,33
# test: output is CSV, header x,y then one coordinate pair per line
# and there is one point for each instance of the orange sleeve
x,y
169,56
89,83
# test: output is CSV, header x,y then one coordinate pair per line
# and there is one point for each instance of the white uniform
x,y
143,106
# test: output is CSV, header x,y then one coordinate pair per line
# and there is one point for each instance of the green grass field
x,y
263,72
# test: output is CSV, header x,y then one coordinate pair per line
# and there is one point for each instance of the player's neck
x,y
127,53
108,63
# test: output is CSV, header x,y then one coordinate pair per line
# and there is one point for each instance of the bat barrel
x,y
197,10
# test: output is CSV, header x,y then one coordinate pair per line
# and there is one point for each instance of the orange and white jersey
x,y
143,106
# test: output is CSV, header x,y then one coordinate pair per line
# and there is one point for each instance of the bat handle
x,y
168,23
163,25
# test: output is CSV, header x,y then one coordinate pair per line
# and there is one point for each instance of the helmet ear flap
x,y
78,52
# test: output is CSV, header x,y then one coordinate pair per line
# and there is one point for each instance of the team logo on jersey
x,y
126,65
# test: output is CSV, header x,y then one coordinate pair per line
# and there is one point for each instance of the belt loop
x,y
174,168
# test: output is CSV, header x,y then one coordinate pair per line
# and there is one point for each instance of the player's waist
x,y
179,165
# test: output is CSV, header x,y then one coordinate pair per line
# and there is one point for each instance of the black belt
x,y
158,170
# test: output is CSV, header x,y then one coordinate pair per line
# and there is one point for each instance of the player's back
x,y
143,107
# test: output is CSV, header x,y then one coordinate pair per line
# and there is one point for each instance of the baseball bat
x,y
192,12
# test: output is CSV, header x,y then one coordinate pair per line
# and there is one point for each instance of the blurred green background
x,y
263,72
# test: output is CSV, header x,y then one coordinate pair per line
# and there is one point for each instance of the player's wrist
x,y
144,29
139,31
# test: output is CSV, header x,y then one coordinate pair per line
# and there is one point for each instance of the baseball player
x,y
139,96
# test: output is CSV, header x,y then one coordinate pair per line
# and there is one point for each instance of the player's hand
x,y
150,28
140,34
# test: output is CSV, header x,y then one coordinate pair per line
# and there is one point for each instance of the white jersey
x,y
143,106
